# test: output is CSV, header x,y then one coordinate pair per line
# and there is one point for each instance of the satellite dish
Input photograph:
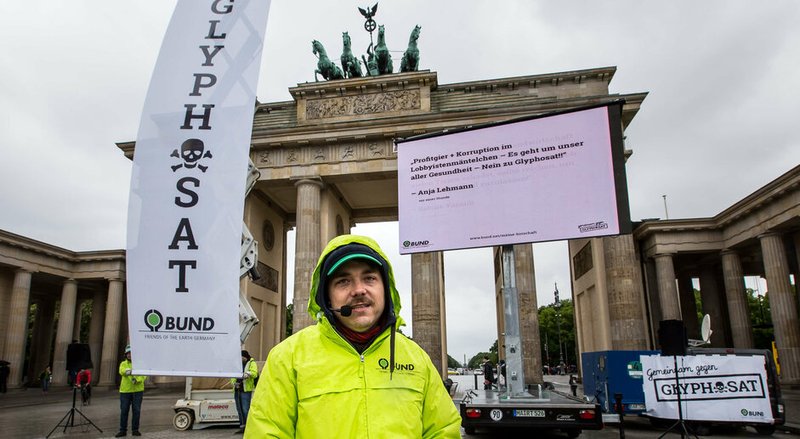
x,y
705,329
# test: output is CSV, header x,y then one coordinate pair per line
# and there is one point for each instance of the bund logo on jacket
x,y
398,367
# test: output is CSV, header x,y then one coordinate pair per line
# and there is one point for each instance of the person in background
x,y
83,381
45,378
488,373
131,391
352,375
243,388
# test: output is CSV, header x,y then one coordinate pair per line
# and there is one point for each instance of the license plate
x,y
636,406
529,413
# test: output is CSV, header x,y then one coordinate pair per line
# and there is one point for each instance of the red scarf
x,y
361,339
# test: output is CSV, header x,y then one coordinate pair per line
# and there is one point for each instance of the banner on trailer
x,y
553,177
187,191
711,388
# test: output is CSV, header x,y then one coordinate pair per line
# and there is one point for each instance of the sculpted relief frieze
x,y
373,103
340,152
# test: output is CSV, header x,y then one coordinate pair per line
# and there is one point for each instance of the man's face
x,y
360,286
128,355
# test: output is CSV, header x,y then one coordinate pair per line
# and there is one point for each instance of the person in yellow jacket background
x,y
352,375
243,388
131,391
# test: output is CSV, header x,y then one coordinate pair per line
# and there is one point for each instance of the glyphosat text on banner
x,y
187,191
710,388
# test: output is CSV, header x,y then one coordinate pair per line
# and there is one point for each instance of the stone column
x,y
783,306
17,326
688,307
735,295
96,331
427,306
709,293
66,320
307,248
111,350
624,294
653,307
667,292
528,314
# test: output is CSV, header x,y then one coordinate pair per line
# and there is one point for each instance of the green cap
x,y
349,257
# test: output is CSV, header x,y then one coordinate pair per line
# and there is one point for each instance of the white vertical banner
x,y
710,387
187,191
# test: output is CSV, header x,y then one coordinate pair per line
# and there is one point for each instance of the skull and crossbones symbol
x,y
192,150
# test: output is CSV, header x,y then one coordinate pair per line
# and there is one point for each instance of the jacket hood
x,y
316,311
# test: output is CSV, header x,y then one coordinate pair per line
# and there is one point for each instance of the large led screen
x,y
552,177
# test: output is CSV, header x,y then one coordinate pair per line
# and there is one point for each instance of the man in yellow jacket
x,y
243,388
352,375
131,391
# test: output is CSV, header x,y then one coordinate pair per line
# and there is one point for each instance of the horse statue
x,y
410,61
325,66
382,55
350,64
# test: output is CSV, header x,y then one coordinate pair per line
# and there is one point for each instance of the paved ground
x,y
29,414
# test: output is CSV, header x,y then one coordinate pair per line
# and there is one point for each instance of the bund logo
x,y
153,320
384,364
414,244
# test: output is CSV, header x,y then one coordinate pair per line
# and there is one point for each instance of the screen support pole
x,y
515,379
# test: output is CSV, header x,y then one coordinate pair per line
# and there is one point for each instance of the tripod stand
x,y
68,421
684,432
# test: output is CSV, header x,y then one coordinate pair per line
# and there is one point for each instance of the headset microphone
x,y
345,310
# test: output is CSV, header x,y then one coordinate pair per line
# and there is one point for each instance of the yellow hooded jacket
x,y
316,385
130,383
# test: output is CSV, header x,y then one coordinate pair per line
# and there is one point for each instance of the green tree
x,y
86,320
452,363
475,362
551,319
761,319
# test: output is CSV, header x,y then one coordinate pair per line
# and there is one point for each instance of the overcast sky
x,y
716,125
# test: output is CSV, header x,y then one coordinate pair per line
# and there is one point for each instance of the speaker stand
x,y
683,431
68,421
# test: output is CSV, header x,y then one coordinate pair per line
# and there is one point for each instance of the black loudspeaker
x,y
672,337
79,356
